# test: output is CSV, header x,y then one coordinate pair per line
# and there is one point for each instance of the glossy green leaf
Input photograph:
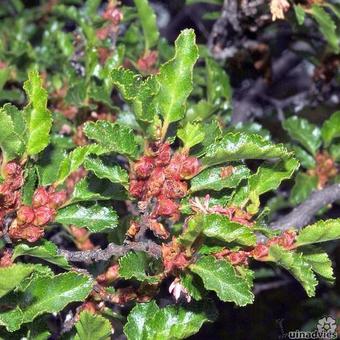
x,y
136,265
307,134
239,146
215,179
331,128
221,277
147,321
327,26
47,295
175,78
305,158
303,186
39,118
320,231
295,264
114,174
148,21
47,251
113,137
95,218
191,134
193,284
92,326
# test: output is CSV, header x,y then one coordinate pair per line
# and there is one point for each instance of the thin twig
x,y
304,213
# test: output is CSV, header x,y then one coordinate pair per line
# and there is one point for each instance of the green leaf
x,y
307,134
113,137
303,186
29,185
300,14
220,227
240,146
148,21
10,277
320,231
193,284
136,265
47,251
95,218
335,151
218,84
175,78
327,26
136,91
295,264
10,143
269,178
304,157
215,179
221,277
47,295
191,134
331,128
39,118
147,321
76,158
114,174
91,326
320,262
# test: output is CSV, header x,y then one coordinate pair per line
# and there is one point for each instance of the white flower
x,y
326,325
278,8
176,289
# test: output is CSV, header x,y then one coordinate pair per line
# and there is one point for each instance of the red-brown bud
x,y
190,167
57,199
43,215
155,182
136,188
158,229
166,207
174,189
40,197
12,169
164,155
144,167
173,170
261,250
25,215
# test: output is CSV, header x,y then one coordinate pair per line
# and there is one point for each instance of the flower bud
x,y
173,170
261,250
40,197
174,189
57,199
190,167
12,169
25,215
158,229
43,215
143,167
166,207
136,188
155,182
164,155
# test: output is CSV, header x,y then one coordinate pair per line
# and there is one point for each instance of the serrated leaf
x,y
95,218
320,262
240,146
303,186
307,134
113,137
295,264
10,277
76,158
221,228
304,157
327,26
215,179
47,295
191,134
147,321
320,231
335,151
175,78
136,91
221,277
39,118
331,128
47,251
30,185
114,174
193,284
92,326
148,21
136,265
218,84
11,144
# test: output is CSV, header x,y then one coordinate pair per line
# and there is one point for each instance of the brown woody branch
x,y
89,256
304,213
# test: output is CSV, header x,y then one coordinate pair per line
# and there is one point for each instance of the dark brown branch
x,y
112,249
304,213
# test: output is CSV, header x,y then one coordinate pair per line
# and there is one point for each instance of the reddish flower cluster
x,y
161,175
174,257
31,219
146,63
325,168
260,251
10,191
6,258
